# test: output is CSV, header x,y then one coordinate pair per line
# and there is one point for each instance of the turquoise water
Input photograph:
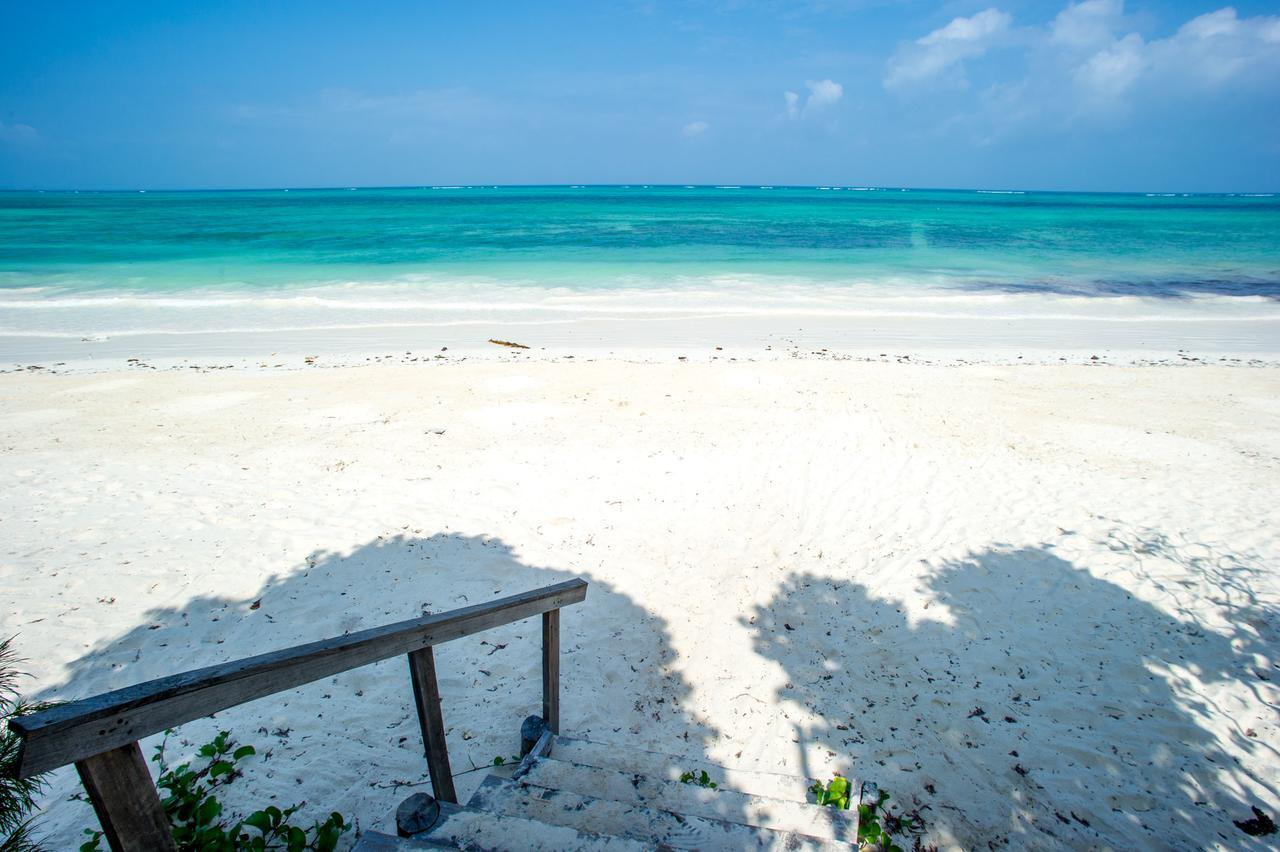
x,y
81,263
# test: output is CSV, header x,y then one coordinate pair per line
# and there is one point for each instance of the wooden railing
x,y
100,734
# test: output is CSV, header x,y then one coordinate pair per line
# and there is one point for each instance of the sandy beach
x,y
1039,600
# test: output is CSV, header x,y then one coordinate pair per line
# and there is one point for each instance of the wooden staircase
x,y
570,794
565,794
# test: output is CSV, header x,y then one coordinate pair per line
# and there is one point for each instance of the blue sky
x,y
1103,94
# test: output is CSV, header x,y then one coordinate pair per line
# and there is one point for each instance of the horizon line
x,y
642,185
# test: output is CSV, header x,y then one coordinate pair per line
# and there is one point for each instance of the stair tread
x,y
463,827
656,764
638,789
652,824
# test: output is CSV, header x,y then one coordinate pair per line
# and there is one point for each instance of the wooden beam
x,y
551,670
426,696
542,748
74,731
125,799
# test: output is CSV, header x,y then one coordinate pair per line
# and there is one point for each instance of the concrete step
x,y
640,790
654,764
652,826
466,828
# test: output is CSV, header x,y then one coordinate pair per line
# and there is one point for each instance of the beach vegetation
x,y
835,793
197,816
702,779
17,795
880,828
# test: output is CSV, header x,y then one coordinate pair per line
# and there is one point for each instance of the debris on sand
x,y
1260,825
508,343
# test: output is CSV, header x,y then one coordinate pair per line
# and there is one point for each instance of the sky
x,y
1097,95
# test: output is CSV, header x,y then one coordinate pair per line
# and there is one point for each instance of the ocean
x,y
88,266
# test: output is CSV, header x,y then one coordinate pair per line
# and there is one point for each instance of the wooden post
x,y
551,669
426,695
125,799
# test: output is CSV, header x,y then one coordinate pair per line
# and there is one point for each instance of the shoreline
x,y
950,341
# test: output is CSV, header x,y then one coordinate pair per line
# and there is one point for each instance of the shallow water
x,y
112,264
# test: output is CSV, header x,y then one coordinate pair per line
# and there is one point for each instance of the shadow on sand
x,y
1070,712
351,742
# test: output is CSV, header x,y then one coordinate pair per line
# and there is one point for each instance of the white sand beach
x,y
1041,601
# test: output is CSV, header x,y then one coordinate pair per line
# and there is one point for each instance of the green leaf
x,y
296,839
208,811
259,820
221,767
244,751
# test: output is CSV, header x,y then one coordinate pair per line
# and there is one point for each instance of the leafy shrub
x,y
17,796
196,815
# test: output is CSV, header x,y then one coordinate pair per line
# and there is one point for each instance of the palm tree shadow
x,y
1032,704
352,743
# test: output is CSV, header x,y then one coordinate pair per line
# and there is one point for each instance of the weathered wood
x,y
477,831
417,814
531,729
551,669
77,730
426,696
126,800
542,748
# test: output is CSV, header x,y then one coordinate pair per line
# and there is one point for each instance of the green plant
x,y
502,761
833,794
880,828
196,815
17,795
702,779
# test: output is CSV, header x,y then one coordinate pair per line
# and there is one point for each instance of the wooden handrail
x,y
81,729
100,734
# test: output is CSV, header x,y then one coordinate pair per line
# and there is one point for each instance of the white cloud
x,y
981,26
822,94
694,128
420,107
1089,62
18,134
1111,71
1219,46
793,104
1205,53
946,48
1087,24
